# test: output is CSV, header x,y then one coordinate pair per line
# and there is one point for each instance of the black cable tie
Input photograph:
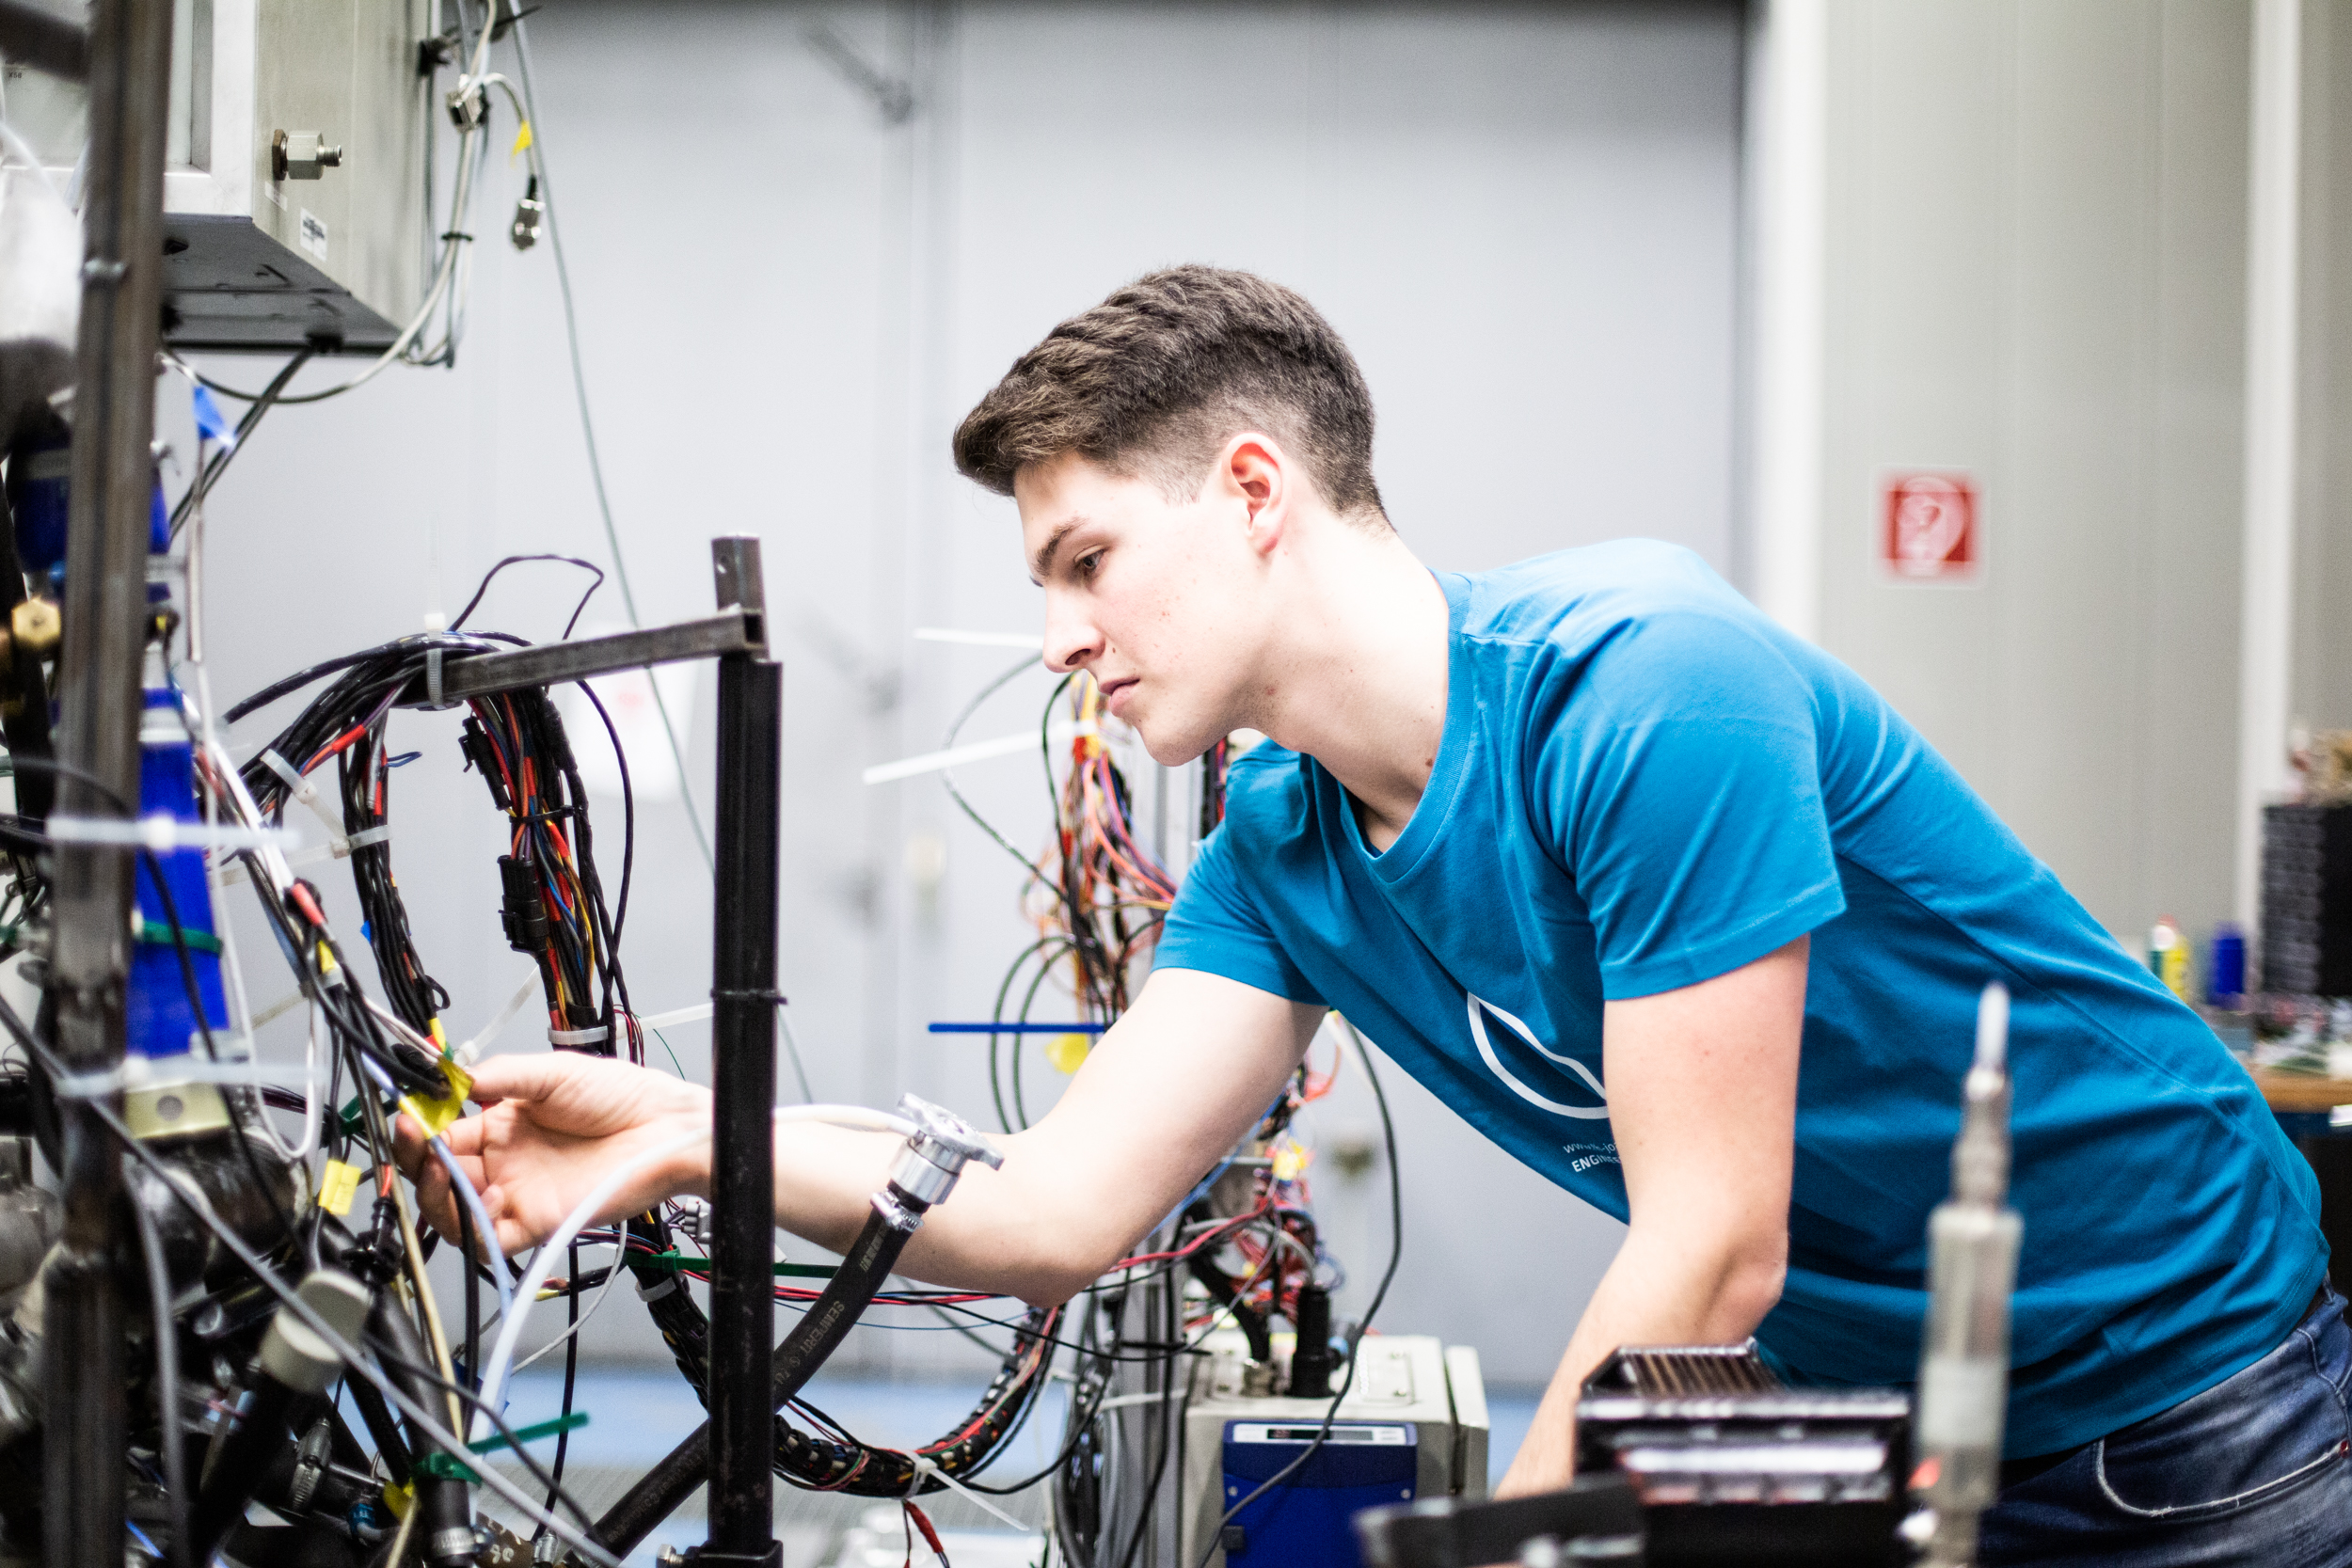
x,y
773,998
454,234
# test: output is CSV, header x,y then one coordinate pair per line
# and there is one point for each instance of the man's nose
x,y
1071,641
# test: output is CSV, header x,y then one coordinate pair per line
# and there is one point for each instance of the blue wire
x,y
482,1223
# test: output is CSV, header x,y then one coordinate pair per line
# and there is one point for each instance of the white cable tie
x,y
366,836
91,1085
926,1465
1120,1402
694,1014
578,1036
978,750
296,786
464,1055
233,873
161,834
667,1287
277,1009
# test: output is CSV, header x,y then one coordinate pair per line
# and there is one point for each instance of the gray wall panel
x,y
2036,261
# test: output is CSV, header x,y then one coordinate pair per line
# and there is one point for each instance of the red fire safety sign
x,y
1930,528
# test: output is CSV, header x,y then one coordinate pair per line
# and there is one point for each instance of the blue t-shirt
x,y
1643,784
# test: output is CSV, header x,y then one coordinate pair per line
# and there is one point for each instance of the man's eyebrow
x,y
1044,563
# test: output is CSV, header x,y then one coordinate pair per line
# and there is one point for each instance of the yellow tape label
x,y
435,1116
338,1185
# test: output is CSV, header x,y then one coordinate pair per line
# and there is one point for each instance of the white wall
x,y
2320,686
1523,217
2035,260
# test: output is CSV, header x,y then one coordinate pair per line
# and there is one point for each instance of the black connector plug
x,y
524,916
483,755
1310,1357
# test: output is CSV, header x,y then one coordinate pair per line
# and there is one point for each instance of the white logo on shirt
x,y
1478,1010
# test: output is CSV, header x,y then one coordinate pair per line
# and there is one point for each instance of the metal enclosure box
x,y
256,262
1403,1378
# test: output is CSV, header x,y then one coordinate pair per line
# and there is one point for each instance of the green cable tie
x,y
532,1434
160,934
449,1468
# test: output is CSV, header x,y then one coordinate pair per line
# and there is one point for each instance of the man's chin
x,y
1166,750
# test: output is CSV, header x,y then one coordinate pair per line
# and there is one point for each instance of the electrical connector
x,y
524,915
530,216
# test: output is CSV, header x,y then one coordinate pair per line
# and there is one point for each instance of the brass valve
x,y
35,627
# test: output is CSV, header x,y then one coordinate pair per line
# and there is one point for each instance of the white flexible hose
x,y
494,1371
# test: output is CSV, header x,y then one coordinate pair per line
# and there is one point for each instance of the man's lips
x,y
1116,692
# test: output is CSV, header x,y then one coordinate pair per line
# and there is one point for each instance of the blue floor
x,y
637,1414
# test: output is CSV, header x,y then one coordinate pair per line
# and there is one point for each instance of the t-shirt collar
x,y
1453,761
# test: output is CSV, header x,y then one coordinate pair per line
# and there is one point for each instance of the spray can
x,y
1964,1368
2168,955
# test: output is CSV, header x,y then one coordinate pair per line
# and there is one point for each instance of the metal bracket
x,y
731,631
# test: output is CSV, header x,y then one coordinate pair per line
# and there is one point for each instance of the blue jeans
x,y
2253,1471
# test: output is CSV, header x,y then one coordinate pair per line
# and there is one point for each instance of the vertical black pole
x,y
105,615
744,1085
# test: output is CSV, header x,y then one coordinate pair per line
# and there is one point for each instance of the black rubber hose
x,y
262,1435
817,1335
444,1533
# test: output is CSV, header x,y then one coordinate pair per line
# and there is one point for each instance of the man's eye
x,y
1089,564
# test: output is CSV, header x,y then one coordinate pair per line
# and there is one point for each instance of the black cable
x,y
210,474
484,587
571,1373
473,1294
259,1268
1356,1335
175,1449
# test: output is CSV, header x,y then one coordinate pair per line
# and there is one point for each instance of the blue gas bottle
x,y
161,1015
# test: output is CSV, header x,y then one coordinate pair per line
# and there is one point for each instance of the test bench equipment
x,y
219,1338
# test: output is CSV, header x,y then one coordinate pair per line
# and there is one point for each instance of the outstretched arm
x,y
1702,1099
1168,1089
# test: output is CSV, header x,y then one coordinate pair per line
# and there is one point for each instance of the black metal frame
x,y
106,624
105,633
743,1082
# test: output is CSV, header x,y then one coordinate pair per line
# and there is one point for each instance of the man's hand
x,y
551,1127
1703,1102
1184,1072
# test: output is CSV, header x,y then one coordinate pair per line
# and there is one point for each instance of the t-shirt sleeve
x,y
1218,926
1684,794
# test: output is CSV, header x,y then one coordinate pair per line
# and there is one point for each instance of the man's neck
x,y
1356,678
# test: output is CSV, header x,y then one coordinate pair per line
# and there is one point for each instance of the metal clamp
x,y
943,1144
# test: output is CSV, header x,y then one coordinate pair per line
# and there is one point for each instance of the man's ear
x,y
1255,468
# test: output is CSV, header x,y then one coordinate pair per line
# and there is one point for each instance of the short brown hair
x,y
1154,380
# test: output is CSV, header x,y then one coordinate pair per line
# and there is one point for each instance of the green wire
x,y
665,1045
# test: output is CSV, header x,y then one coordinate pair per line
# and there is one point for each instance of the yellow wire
x,y
424,1296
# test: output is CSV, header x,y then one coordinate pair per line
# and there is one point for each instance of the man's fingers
x,y
533,1075
435,1201
408,1151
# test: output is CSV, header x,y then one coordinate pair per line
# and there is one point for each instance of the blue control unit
x,y
1303,1521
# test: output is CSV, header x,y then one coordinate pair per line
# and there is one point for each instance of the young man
x,y
1665,901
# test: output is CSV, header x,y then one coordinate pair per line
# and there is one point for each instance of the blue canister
x,y
162,1022
2226,983
37,494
